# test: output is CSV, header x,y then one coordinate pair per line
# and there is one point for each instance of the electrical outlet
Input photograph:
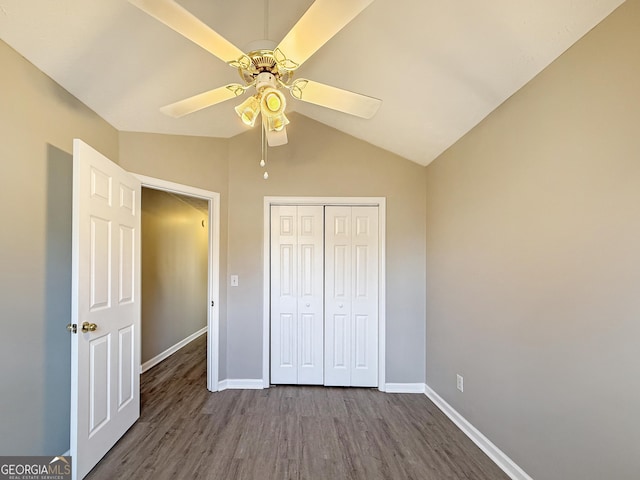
x,y
460,383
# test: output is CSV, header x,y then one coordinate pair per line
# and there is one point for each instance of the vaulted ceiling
x,y
439,66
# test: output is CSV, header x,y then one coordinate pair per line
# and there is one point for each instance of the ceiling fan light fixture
x,y
273,102
276,123
248,111
272,105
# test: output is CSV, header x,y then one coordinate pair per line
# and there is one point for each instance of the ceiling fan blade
x,y
203,100
186,24
322,21
275,139
335,98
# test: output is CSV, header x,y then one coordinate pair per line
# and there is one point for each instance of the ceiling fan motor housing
x,y
265,80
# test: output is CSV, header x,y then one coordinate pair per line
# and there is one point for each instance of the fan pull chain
x,y
263,161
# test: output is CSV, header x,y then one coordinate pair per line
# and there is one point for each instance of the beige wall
x,y
533,264
38,121
175,261
195,161
304,167
320,161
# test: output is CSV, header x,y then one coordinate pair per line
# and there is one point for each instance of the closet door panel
x,y
338,292
351,296
364,303
311,293
324,295
284,293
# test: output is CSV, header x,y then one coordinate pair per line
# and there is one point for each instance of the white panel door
x,y
284,294
364,300
296,295
310,295
105,354
351,296
338,296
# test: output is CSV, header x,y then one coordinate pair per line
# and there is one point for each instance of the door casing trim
x,y
213,312
381,203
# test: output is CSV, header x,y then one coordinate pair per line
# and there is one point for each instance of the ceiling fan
x,y
269,68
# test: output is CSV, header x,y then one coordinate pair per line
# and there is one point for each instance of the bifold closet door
x,y
297,320
351,296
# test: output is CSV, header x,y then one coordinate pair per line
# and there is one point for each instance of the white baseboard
x,y
507,465
171,350
240,384
404,388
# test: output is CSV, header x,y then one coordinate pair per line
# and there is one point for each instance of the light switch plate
x,y
234,280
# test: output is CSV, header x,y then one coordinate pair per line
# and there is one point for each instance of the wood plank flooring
x,y
285,432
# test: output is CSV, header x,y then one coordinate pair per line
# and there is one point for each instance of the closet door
x,y
351,296
297,320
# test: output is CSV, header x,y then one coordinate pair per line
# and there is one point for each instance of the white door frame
x,y
213,300
380,202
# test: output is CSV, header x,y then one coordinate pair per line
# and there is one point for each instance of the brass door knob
x,y
89,327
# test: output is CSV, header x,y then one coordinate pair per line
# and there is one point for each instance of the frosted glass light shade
x,y
275,123
273,102
248,111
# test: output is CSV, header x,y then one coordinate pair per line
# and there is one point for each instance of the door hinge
x,y
213,304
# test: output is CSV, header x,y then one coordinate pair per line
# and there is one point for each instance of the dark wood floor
x,y
186,432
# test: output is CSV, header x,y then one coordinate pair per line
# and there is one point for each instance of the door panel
x,y
361,333
307,270
341,342
339,265
310,305
287,341
338,296
99,384
361,270
105,384
100,251
126,373
100,186
296,290
306,345
337,342
126,270
351,302
364,304
287,269
284,350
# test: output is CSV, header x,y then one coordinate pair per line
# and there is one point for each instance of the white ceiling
x,y
439,66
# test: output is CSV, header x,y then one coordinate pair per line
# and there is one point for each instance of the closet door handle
x,y
308,305
340,305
